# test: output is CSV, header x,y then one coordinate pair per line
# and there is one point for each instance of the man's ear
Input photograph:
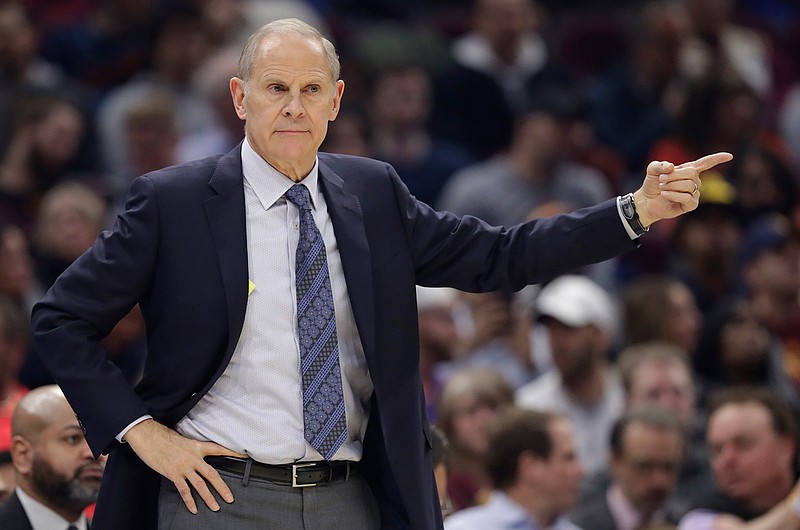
x,y
22,455
237,95
337,100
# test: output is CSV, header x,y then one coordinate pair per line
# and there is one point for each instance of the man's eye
x,y
313,89
275,88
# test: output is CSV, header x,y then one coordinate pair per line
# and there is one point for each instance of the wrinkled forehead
x,y
279,50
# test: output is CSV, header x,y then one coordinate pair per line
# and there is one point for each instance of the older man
x,y
57,476
278,288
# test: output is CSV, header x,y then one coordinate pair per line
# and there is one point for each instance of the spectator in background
x,y
536,472
211,82
17,281
47,134
57,476
106,46
350,134
495,331
581,325
764,184
506,188
20,66
633,104
752,435
180,46
706,243
399,105
13,343
438,340
658,374
470,400
496,66
71,216
659,308
717,42
151,133
769,261
647,450
738,349
720,111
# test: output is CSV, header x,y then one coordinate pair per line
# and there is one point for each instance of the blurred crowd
x,y
503,109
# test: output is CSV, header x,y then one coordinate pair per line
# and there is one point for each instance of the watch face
x,y
627,208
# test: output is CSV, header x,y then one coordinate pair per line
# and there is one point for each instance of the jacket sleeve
x,y
83,306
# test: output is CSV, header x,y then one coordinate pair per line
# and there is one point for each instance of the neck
x,y
535,504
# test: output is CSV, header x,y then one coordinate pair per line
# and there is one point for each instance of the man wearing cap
x,y
580,320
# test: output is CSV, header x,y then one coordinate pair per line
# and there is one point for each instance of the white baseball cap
x,y
575,301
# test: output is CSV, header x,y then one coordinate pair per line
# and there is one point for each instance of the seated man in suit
x,y
536,471
647,446
57,476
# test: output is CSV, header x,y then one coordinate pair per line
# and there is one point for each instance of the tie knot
x,y
299,196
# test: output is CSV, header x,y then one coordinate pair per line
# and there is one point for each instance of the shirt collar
x,y
624,513
268,183
43,518
509,514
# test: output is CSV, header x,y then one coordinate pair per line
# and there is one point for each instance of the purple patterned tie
x,y
323,404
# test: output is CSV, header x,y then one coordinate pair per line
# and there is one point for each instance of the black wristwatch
x,y
629,212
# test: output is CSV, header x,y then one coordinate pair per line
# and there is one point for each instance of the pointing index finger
x,y
709,161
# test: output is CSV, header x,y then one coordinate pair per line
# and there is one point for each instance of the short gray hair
x,y
285,26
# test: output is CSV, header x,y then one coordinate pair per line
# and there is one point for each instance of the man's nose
x,y
293,106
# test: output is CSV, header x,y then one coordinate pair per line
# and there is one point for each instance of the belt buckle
x,y
295,467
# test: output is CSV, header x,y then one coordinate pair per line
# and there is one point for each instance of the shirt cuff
x,y
625,223
134,423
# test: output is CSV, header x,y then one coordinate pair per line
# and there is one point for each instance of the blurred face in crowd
x,y
776,271
401,98
666,384
558,478
57,137
69,221
16,264
647,467
683,320
573,348
471,417
744,341
17,40
288,101
438,334
748,457
504,23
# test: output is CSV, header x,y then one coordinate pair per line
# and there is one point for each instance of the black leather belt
x,y
298,475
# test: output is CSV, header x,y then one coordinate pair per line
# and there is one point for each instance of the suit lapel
x,y
226,219
348,225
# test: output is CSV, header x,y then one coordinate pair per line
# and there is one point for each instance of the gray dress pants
x,y
263,505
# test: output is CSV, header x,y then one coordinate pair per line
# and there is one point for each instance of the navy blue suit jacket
x,y
180,250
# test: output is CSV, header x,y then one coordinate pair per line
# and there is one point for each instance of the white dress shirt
x,y
43,518
255,407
